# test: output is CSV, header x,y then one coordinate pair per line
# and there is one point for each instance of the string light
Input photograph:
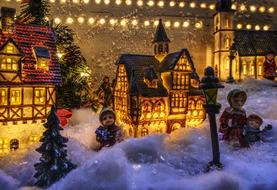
x,y
112,21
212,6
69,20
86,1
140,3
266,27
257,27
192,4
57,21
186,24
18,0
253,8
262,9
123,22
51,1
156,22
271,10
91,20
182,4
75,1
242,7
160,3
234,6
167,24
102,21
248,26
81,20
239,26
63,1
176,24
203,5
134,22
107,2
150,3
198,25
97,1
118,2
128,2
146,23
172,3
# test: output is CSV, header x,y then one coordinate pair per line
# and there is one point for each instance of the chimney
x,y
7,19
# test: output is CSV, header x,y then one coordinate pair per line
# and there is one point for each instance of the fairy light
x,y
97,1
18,0
51,1
63,1
156,22
262,9
146,23
140,3
203,5
253,8
248,26
123,22
172,3
107,2
81,20
271,10
242,7
239,26
198,25
102,21
112,21
186,24
91,20
257,27
266,27
75,1
182,4
69,20
167,24
234,6
212,6
150,3
57,21
86,1
134,22
46,18
118,2
160,3
128,2
192,4
176,24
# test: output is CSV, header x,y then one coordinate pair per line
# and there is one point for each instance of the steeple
x,y
160,42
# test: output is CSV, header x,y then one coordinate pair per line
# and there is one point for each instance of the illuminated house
x,y
157,93
29,72
252,46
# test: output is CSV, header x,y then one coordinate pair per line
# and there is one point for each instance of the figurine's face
x,y
237,102
108,120
254,124
106,80
270,57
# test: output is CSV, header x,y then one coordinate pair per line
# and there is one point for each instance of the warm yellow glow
x,y
15,96
3,96
112,21
172,3
57,21
75,1
150,3
266,27
134,22
192,4
59,54
257,27
212,6
40,96
156,22
262,9
91,20
42,63
102,21
107,2
118,2
140,3
248,26
239,26
186,24
203,5
198,24
69,20
52,1
10,49
62,1
182,4
160,3
253,8
146,23
97,1
81,20
176,24
123,22
271,10
167,24
128,2
8,63
86,1
242,7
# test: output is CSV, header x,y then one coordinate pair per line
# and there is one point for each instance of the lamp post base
x,y
214,166
230,80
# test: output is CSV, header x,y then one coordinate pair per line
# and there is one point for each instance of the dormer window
x,y
8,63
150,78
42,56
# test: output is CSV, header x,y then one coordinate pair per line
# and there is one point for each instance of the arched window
x,y
226,22
260,68
199,104
144,132
227,41
227,63
147,107
176,126
159,106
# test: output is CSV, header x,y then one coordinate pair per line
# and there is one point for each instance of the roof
x,y
160,35
224,5
42,52
25,37
135,66
255,43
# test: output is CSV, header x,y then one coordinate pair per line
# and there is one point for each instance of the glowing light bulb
x,y
198,25
69,20
192,4
123,22
239,26
57,21
253,8
18,0
134,22
51,1
150,3
97,1
128,2
146,23
118,2
176,24
91,21
112,21
182,4
156,22
266,27
242,7
257,27
107,2
203,5
186,24
262,9
86,1
63,1
172,3
167,24
160,3
102,21
248,26
234,6
81,20
75,1
212,6
140,3
271,10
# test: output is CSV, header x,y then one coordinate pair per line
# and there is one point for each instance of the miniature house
x,y
251,46
157,93
29,72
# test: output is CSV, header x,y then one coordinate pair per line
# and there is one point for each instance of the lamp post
x,y
232,56
210,85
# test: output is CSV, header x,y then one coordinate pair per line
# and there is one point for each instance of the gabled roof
x,y
10,40
135,66
255,43
160,35
26,37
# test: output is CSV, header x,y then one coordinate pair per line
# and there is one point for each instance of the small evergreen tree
x,y
53,163
34,12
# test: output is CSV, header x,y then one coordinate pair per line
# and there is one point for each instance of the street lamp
x,y
210,85
232,56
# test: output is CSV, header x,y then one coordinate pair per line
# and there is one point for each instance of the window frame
x,y
42,94
19,102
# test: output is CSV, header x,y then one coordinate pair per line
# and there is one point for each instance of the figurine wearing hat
x,y
108,133
269,66
252,130
233,119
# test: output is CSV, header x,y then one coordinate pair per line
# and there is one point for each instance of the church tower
x,y
223,37
161,42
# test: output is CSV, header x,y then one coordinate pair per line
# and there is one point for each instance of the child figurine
x,y
108,133
252,130
233,119
269,66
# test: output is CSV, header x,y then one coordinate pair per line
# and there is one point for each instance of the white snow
x,y
165,162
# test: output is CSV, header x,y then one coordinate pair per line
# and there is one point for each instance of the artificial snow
x,y
160,162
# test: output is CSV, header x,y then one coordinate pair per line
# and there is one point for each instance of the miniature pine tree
x,y
53,163
34,12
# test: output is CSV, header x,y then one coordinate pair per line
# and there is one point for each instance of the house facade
x,y
157,93
251,46
29,72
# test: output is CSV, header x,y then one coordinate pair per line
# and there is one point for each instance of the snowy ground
x,y
164,162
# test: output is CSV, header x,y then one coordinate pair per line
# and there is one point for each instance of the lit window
x,y
244,69
252,70
9,63
227,41
42,63
260,70
9,49
39,96
15,96
227,63
144,132
3,96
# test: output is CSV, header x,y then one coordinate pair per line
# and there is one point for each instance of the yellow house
x,y
29,72
157,93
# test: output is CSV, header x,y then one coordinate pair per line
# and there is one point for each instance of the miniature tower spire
x,y
160,42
